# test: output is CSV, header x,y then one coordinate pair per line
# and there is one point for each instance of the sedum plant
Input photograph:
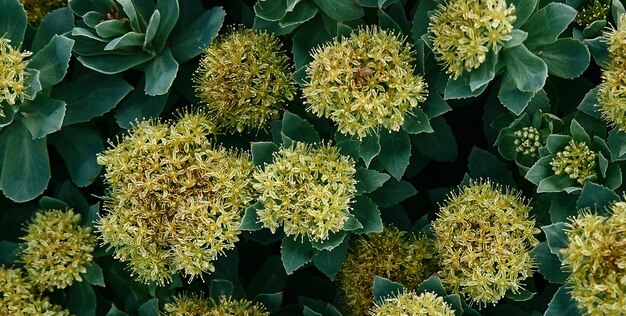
x,y
409,303
20,298
612,90
37,9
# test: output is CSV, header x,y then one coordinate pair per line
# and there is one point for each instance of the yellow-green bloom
x,y
364,82
411,304
307,189
464,31
175,200
244,79
392,254
12,73
592,11
232,307
528,141
57,249
576,160
18,297
37,9
596,258
612,90
187,305
484,237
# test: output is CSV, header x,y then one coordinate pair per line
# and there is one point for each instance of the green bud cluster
x,y
528,141
576,160
591,12
409,303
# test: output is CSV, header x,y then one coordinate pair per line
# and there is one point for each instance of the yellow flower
x,y
484,238
244,79
187,305
612,89
12,74
577,161
392,254
411,304
57,249
596,258
364,82
18,297
231,307
307,190
464,31
37,9
175,200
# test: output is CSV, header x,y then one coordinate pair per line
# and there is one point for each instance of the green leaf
x,y
432,284
139,106
25,167
417,122
340,10
114,311
78,145
588,104
527,70
12,21
545,25
295,254
112,64
482,164
128,41
81,299
517,37
523,10
386,22
370,148
169,12
393,192
562,207
271,10
270,278
555,183
149,308
461,88
195,38
369,180
367,214
566,58
54,23
522,296
333,240
160,73
10,252
299,129
384,288
513,98
557,240
395,152
272,302
329,262
53,60
250,220
91,96
440,145
548,264
305,38
596,197
562,304
42,116
435,106
598,47
304,11
220,288
262,152
93,275
112,29
485,72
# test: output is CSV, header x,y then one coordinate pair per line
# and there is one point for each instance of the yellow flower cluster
x,y
463,32
484,238
12,73
19,298
187,305
184,305
409,303
576,160
37,9
231,307
175,200
392,254
612,90
528,141
57,249
591,12
307,189
244,79
364,82
596,258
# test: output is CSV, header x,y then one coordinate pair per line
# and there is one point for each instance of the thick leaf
x,y
329,262
435,106
545,25
299,129
527,70
262,152
149,308
596,197
393,192
160,73
395,152
12,21
168,17
112,64
384,288
220,288
270,278
195,38
78,145
566,58
562,304
417,122
482,164
94,274
461,88
81,299
555,183
369,180
10,252
295,254
138,107
342,10
91,96
523,10
557,240
367,214
513,98
302,13
271,10
250,220
53,60
114,311
440,145
25,167
370,148
42,116
549,264
54,23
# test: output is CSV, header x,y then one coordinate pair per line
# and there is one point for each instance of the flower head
x,y
364,82
576,160
464,31
392,254
244,80
175,200
612,89
596,258
12,73
18,297
411,304
57,249
307,189
231,307
592,10
484,238
187,305
37,9
528,141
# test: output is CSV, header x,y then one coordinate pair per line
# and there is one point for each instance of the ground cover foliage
x,y
312,157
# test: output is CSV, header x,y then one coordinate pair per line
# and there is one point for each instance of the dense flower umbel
x,y
232,307
307,189
364,82
591,11
528,141
392,254
411,304
612,90
175,200
57,249
576,160
484,237
12,73
464,31
244,79
37,9
596,258
18,298
192,305
187,305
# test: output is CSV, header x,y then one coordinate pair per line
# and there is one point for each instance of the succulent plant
x,y
612,90
19,298
409,303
